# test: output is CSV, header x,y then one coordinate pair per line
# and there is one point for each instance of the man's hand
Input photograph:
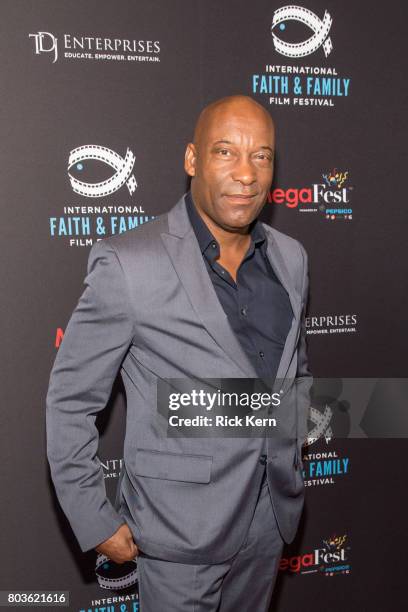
x,y
120,547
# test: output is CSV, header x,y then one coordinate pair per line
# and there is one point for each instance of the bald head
x,y
231,162
237,105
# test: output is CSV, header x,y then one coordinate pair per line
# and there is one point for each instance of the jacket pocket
x,y
173,466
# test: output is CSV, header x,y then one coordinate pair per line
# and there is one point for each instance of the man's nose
x,y
244,171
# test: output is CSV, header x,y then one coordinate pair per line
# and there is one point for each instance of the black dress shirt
x,y
257,306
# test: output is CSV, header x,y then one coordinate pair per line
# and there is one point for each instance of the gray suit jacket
x,y
149,310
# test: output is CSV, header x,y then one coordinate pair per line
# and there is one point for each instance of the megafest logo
x,y
331,196
296,33
82,223
96,48
330,559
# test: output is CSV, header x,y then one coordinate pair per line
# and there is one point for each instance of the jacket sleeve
x,y
304,378
302,364
95,342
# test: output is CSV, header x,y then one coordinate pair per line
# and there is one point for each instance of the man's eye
x,y
223,152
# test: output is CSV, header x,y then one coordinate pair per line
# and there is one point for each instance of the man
x,y
207,291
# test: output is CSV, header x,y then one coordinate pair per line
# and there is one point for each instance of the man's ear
x,y
190,159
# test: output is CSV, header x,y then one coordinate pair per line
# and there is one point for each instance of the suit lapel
x,y
278,264
183,249
189,265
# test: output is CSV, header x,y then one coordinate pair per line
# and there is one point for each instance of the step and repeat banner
x,y
98,101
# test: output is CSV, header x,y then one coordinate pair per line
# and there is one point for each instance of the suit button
x,y
262,459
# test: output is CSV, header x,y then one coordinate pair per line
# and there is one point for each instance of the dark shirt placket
x,y
257,306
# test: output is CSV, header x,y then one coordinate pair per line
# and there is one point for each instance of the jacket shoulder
x,y
138,238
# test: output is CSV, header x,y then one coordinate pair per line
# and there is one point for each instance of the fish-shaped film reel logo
x,y
321,422
122,165
320,28
115,576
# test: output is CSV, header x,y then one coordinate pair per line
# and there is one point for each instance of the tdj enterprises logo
x,y
96,48
123,167
330,323
319,27
45,42
330,559
111,467
331,197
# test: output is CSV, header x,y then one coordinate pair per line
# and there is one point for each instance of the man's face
x,y
232,165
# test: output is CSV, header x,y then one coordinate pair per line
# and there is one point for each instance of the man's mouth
x,y
241,197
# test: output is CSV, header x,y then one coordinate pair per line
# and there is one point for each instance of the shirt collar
x,y
205,236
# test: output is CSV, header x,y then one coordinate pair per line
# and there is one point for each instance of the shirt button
x,y
261,354
244,311
262,459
